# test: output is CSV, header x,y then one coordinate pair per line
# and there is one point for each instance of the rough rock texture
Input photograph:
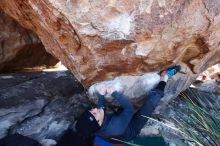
x,y
43,105
20,47
39,105
98,40
137,87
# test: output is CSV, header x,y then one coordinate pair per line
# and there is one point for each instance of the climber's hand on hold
x,y
110,89
101,89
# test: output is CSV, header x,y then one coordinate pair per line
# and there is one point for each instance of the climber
x,y
96,123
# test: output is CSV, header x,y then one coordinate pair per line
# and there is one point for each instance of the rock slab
x,y
40,105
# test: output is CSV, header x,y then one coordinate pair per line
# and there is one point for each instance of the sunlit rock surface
x,y
209,80
99,40
137,87
20,48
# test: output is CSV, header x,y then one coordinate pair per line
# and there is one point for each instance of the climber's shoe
x,y
173,70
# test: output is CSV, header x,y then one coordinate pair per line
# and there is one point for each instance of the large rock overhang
x,y
99,40
21,48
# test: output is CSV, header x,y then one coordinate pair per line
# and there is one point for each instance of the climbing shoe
x,y
173,70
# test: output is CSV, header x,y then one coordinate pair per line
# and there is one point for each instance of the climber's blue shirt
x,y
115,125
101,142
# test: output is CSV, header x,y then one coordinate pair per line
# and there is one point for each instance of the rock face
x,y
99,40
209,81
20,48
39,105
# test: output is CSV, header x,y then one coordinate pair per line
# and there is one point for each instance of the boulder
x,y
209,80
40,105
20,48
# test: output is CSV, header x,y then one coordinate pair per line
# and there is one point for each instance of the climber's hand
x,y
101,89
110,89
